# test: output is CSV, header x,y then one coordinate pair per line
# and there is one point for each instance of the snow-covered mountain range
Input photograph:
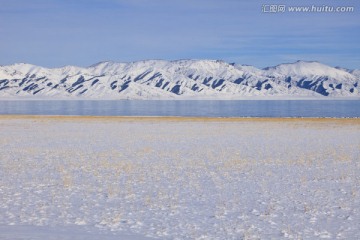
x,y
181,79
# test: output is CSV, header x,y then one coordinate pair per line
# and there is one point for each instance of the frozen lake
x,y
193,108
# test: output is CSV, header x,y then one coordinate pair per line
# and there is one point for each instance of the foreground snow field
x,y
172,178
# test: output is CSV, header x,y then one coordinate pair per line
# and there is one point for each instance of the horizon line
x,y
178,60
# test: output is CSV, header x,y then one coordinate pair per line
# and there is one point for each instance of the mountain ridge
x,y
184,78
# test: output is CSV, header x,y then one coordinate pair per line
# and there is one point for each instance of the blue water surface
x,y
187,108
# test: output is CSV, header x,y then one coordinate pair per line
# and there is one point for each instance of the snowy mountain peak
x,y
188,78
24,67
308,68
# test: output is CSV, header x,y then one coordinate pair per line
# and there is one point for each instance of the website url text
x,y
278,8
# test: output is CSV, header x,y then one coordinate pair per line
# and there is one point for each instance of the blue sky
x,y
54,33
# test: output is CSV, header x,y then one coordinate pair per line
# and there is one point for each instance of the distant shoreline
x,y
183,98
179,119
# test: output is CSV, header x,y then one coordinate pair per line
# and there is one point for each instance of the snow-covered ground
x,y
171,178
